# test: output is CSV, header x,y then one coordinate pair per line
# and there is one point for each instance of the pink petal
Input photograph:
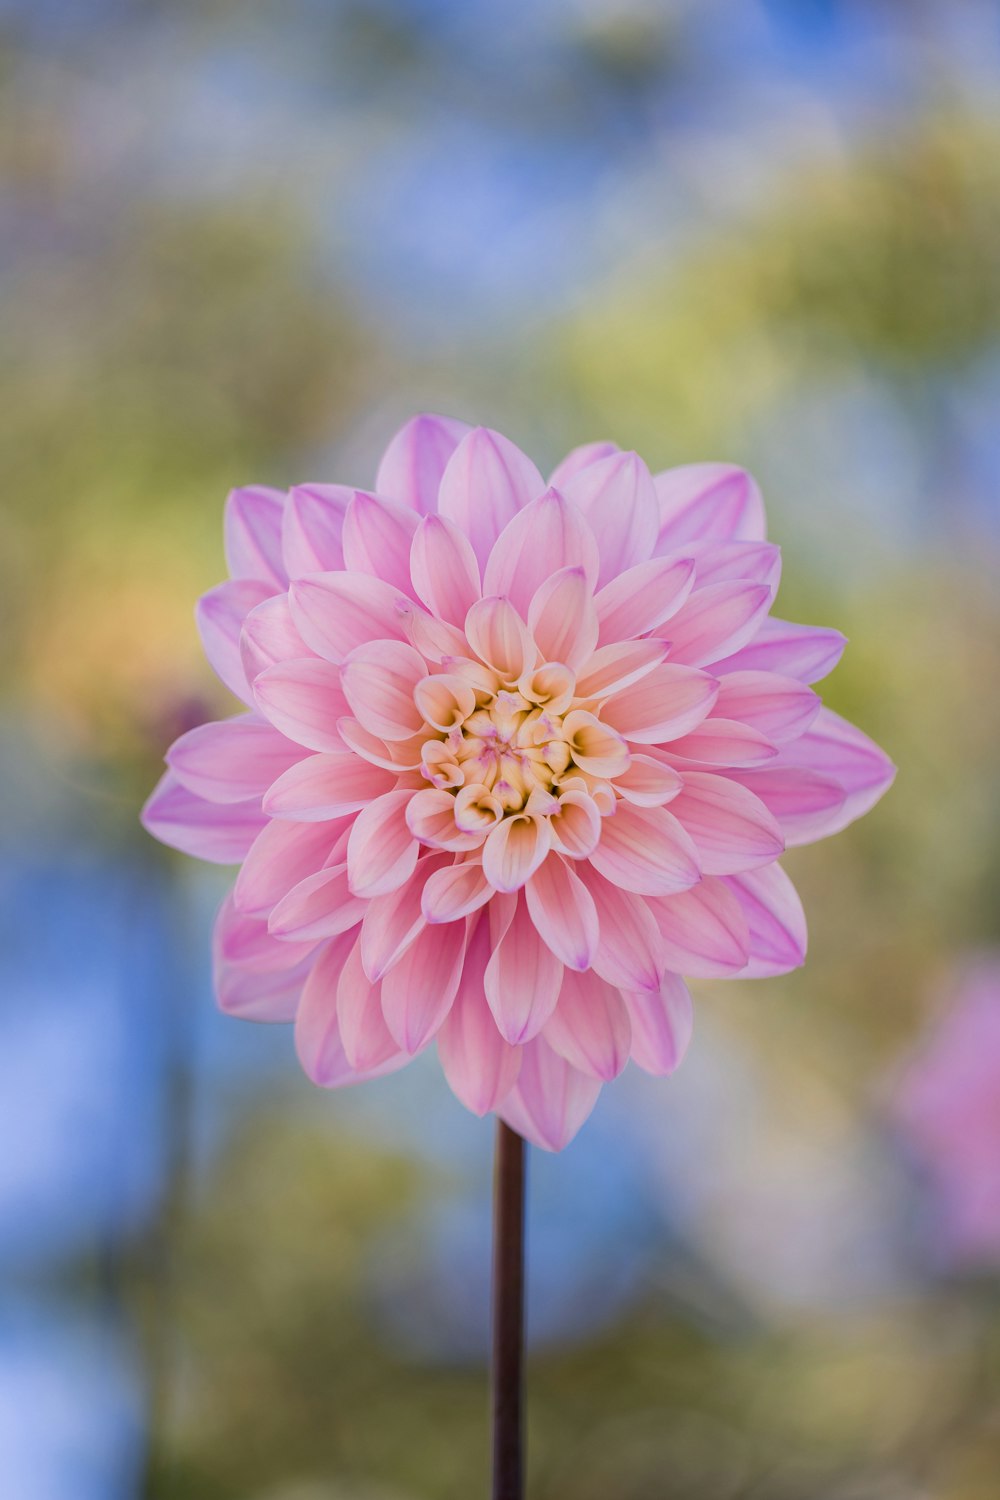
x,y
454,892
337,612
364,1035
377,538
617,497
313,528
431,819
562,619
304,700
628,953
413,463
232,761
645,850
611,669
662,1022
777,923
808,652
590,1026
782,708
317,1031
444,569
544,537
731,829
378,681
418,991
245,942
806,805
718,562
487,481
220,614
514,849
722,742
703,931
269,636
500,638
833,747
480,1066
550,1100
644,597
709,501
253,535
648,783
667,702
326,786
393,922
580,458
253,995
597,748
563,912
575,825
321,906
283,854
381,851
396,755
717,620
522,979
221,833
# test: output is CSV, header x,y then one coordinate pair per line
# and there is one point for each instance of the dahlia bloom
x,y
516,757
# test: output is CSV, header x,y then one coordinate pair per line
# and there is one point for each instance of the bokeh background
x,y
241,240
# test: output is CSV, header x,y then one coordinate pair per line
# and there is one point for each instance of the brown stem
x,y
508,1316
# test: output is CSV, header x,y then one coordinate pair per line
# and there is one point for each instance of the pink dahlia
x,y
516,758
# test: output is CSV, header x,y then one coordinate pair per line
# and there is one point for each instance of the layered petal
x,y
703,931
219,615
776,921
378,680
486,482
661,1025
716,502
833,747
381,851
318,907
418,991
628,952
328,786
617,498
550,1100
480,1066
717,620
416,458
364,1035
514,849
782,708
806,805
393,922
546,536
234,760
580,458
808,652
643,598
338,612
563,912
454,892
268,636
377,538
252,529
444,569
318,1042
562,618
731,829
522,978
665,704
590,1026
646,850
304,700
221,833
313,528
282,855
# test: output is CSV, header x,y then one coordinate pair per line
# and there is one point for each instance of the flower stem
x,y
508,1315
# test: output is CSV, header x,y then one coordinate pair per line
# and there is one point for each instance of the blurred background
x,y
242,240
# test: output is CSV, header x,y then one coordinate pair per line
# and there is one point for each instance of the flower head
x,y
516,757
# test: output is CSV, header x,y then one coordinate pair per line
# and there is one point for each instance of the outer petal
x,y
326,786
720,743
717,620
731,829
381,851
269,636
666,703
806,805
717,502
313,528
393,922
648,782
661,1025
808,652
564,913
377,538
378,681
254,995
547,535
337,612
304,700
562,619
220,614
232,761
644,597
645,850
611,669
717,562
480,1066
455,891
580,458
317,1033
628,953
412,465
590,1026
221,833
777,923
617,497
704,931
245,942
550,1100
321,906
444,569
522,979
366,1039
514,849
833,747
418,991
486,482
782,708
252,528
282,855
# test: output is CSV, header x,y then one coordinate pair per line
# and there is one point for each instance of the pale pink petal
x,y
381,852
283,854
662,1022
703,931
418,991
378,681
220,615
444,569
550,1100
337,612
562,618
731,829
777,923
645,850
455,891
500,638
244,941
718,562
232,761
580,458
377,538
317,1031
833,747
722,742
717,620
666,703
269,636
219,832
435,639
487,481
393,922
628,953
395,755
253,535
480,1066
522,978
611,669
321,906
445,699
597,747
575,825
255,995
364,1035
782,708
514,849
544,537
304,700
617,497
717,502
648,783
326,786
431,819
564,913
313,528
806,805
808,652
590,1026
644,597
413,463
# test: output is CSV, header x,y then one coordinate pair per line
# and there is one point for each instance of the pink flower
x,y
948,1102
515,758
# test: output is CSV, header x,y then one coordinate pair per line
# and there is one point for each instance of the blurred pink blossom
x,y
517,756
